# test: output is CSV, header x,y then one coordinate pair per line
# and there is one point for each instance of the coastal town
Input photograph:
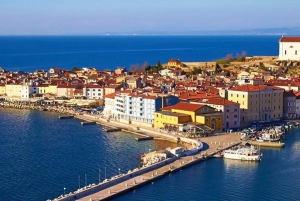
x,y
179,101
175,96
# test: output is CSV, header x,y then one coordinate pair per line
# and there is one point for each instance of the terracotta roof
x,y
284,83
220,101
78,91
251,88
93,86
290,39
184,106
167,113
112,95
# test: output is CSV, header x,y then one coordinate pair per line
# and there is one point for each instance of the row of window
x,y
237,95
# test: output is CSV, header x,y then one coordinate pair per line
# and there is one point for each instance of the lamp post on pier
x,y
119,171
78,181
64,191
99,175
105,172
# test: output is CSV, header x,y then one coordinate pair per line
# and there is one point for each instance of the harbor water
x,y
41,155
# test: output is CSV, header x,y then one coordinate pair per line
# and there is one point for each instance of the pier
x,y
138,177
267,144
88,123
65,116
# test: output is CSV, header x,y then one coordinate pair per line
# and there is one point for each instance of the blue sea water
x,y
40,154
29,53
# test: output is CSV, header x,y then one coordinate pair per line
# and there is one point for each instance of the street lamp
x,y
64,191
119,171
99,175
105,172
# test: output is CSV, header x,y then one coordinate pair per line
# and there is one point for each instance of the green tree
x,y
75,68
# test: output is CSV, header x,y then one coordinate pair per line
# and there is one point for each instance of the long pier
x,y
120,184
138,177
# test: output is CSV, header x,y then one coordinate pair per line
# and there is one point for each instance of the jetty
x,y
133,179
88,123
65,116
267,144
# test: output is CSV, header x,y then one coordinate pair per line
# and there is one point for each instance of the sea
x,y
29,53
40,155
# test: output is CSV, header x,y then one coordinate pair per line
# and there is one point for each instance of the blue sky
x,y
73,17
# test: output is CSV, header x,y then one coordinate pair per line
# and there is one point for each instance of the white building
x,y
289,48
136,108
27,89
93,91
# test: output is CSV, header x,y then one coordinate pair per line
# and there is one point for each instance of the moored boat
x,y
247,153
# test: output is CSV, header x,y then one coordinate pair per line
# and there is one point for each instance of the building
x,y
13,90
297,94
27,90
2,89
190,113
120,70
139,109
257,103
285,84
93,91
175,63
289,105
289,48
229,109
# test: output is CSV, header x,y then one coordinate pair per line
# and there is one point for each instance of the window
x,y
296,52
243,96
285,52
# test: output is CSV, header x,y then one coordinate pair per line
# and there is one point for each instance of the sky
x,y
84,17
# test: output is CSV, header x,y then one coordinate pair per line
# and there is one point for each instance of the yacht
x,y
247,153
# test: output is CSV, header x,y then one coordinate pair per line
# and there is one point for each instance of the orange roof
x,y
249,88
184,106
290,39
112,95
284,83
220,101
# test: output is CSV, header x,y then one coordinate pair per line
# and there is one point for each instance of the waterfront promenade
x,y
121,184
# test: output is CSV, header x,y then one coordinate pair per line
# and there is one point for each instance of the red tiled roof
x,y
290,39
220,101
93,86
184,106
249,88
112,95
284,83
78,91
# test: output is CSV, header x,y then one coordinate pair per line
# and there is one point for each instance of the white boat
x,y
247,153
